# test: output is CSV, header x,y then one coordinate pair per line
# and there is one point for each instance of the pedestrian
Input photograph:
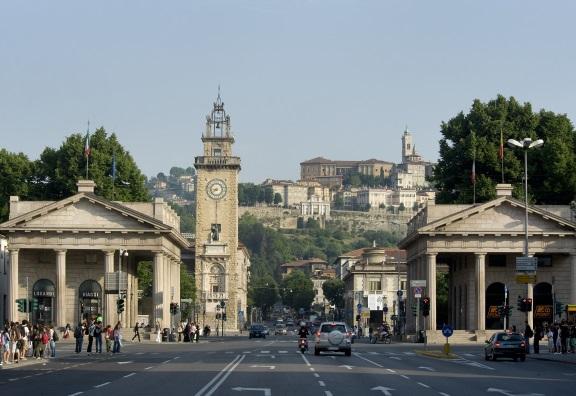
x,y
564,333
79,336
136,332
98,336
370,332
109,335
67,331
15,344
5,346
180,330
53,338
555,338
36,341
528,333
117,338
90,330
45,339
158,335
25,333
538,335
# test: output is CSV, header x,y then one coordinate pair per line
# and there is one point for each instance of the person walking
x,y
538,335
91,327
98,336
109,335
45,339
79,336
53,338
158,334
528,333
117,338
564,334
136,332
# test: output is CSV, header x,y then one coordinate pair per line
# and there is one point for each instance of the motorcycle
x,y
303,345
383,337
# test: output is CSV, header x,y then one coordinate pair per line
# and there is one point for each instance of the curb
x,y
436,354
547,359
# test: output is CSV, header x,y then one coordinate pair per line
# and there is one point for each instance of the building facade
x,y
221,266
76,257
475,247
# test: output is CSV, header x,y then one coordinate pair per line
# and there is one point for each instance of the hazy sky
x,y
299,78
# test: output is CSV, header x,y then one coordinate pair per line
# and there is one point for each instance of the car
x,y
280,329
266,330
504,344
333,337
257,331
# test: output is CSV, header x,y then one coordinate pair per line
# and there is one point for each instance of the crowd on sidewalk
x,y
97,333
559,337
20,341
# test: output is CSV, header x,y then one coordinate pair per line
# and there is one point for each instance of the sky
x,y
339,79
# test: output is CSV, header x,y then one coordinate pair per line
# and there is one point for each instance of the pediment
x,y
501,216
84,212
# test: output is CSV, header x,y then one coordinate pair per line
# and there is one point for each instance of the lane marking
x,y
426,368
13,379
321,383
177,357
129,375
75,394
247,352
148,368
391,371
443,394
328,393
101,385
409,353
374,353
282,351
312,369
167,361
305,360
424,385
225,376
369,361
395,358
261,352
405,377
316,375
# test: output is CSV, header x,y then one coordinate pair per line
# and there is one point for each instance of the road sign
x,y
359,307
418,290
447,330
418,283
526,264
525,278
399,293
418,295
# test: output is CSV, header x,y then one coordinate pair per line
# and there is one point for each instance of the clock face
x,y
216,189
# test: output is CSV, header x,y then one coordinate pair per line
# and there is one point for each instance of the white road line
x,y
129,375
223,378
409,353
424,385
223,374
101,385
305,360
229,352
13,379
75,394
395,358
247,352
469,354
405,377
374,353
282,351
177,357
369,361
328,393
148,368
167,361
321,383
316,375
391,371
312,369
426,368
443,394
264,351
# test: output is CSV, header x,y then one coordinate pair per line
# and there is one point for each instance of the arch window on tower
x,y
217,279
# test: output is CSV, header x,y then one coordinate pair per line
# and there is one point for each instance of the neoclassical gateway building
x,y
476,247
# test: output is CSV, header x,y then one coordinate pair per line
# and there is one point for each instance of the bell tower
x,y
218,273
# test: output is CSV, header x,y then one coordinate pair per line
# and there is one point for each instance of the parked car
x,y
503,344
280,329
333,336
257,331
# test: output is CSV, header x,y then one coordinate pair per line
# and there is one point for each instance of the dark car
x,y
503,344
257,331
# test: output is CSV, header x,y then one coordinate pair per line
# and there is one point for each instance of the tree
x,y
334,291
401,207
58,170
187,284
277,199
297,290
16,178
338,202
268,195
477,135
145,274
263,292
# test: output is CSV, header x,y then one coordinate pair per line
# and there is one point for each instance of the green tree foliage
x,y
58,170
187,284
277,199
17,177
477,134
334,291
145,274
187,218
263,292
355,179
297,290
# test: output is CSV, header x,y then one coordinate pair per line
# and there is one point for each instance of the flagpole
x,y
502,152
87,154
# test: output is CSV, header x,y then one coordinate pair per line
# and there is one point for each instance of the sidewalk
x,y
569,358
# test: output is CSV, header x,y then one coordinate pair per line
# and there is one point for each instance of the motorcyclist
x,y
303,332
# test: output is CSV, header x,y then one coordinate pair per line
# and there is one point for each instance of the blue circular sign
x,y
359,306
447,330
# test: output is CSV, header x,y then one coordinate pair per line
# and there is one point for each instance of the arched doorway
x,y
542,304
90,294
495,297
45,292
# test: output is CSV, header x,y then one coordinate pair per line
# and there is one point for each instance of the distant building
x,y
319,272
331,173
413,171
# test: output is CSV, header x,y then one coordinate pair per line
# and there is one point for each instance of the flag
x,y
87,145
114,166
501,149
473,175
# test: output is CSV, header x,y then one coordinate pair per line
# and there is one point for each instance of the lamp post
x,y
121,253
526,144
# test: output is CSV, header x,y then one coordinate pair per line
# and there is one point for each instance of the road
x,y
272,366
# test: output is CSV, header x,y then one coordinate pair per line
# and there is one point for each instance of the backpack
x,y
78,332
45,338
55,336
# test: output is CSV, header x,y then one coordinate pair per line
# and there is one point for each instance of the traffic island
x,y
438,354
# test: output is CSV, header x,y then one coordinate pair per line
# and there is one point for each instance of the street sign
x,y
418,295
359,307
418,290
365,314
418,283
447,330
525,278
526,264
399,293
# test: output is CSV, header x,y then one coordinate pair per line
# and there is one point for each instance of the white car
x,y
333,336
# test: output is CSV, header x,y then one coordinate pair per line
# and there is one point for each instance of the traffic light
x,y
21,304
358,318
559,308
521,304
425,306
224,317
222,304
173,308
120,305
528,305
33,305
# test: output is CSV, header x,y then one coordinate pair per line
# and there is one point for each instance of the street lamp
x,y
121,253
526,145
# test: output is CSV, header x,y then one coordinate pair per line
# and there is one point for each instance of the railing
x,y
215,295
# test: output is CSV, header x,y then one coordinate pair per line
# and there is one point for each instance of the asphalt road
x,y
273,366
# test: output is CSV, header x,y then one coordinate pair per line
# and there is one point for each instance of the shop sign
x,y
525,279
90,294
43,293
542,311
493,312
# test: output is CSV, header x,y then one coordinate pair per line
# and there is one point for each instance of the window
x,y
497,260
217,152
374,285
544,261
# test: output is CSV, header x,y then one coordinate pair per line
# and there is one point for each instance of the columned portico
x,y
61,287
480,263
13,285
573,278
431,287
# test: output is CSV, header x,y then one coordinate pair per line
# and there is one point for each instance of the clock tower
x,y
220,266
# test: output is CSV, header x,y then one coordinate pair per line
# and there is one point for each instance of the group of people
x,y
97,333
20,341
561,337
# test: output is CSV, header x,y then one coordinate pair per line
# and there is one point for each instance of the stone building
x,y
330,173
373,278
62,251
412,172
221,265
476,247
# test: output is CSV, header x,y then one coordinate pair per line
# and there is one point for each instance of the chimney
x,y
86,186
503,190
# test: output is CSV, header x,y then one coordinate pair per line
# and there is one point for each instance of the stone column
x,y
157,288
166,315
480,260
572,279
61,288
530,315
13,286
110,316
431,283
